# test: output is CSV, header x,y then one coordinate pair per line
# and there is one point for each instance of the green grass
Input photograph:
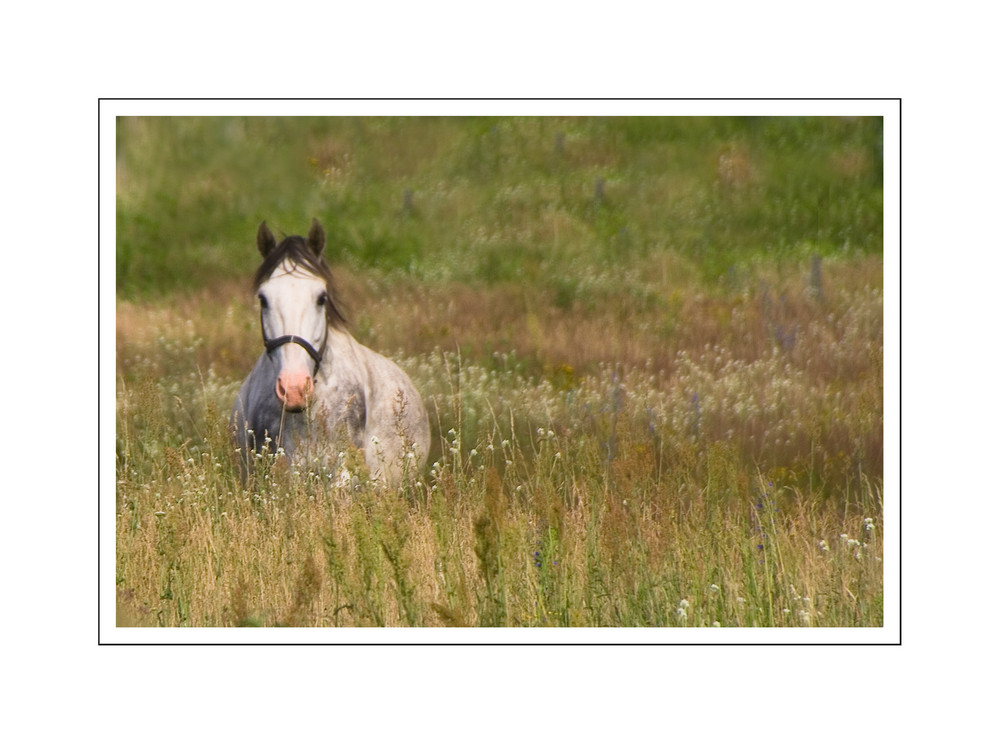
x,y
482,201
651,350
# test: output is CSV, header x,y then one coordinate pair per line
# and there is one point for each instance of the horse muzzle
x,y
294,390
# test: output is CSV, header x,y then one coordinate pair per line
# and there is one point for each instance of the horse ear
x,y
317,238
265,240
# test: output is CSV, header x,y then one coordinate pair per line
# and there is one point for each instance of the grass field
x,y
651,350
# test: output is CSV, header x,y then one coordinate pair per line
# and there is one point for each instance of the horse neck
x,y
342,357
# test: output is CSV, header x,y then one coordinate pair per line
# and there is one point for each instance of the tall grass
x,y
612,498
651,351
596,521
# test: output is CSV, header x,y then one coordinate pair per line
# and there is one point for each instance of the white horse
x,y
315,388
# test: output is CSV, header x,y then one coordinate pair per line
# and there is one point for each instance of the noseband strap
x,y
274,343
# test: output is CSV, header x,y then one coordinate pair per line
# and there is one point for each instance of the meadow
x,y
651,350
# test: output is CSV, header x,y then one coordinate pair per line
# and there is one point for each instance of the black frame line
x,y
898,642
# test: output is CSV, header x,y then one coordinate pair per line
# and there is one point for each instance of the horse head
x,y
297,307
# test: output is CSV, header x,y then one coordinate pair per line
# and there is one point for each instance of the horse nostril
x,y
295,392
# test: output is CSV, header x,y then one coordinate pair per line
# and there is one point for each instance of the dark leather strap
x,y
274,343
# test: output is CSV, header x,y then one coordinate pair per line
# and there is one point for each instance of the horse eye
x,y
263,301
322,300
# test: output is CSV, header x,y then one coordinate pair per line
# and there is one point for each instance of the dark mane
x,y
295,249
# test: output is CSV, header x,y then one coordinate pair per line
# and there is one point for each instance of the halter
x,y
274,343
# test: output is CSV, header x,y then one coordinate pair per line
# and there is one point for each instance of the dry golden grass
x,y
477,550
707,475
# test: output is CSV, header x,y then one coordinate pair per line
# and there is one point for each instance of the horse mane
x,y
295,250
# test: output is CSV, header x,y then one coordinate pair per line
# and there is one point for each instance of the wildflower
x,y
681,614
716,624
473,452
713,588
869,524
823,546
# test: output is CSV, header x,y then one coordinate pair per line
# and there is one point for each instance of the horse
x,y
315,388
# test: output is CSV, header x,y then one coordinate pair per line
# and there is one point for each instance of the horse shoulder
x,y
342,392
393,400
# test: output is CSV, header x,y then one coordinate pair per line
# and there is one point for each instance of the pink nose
x,y
294,390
